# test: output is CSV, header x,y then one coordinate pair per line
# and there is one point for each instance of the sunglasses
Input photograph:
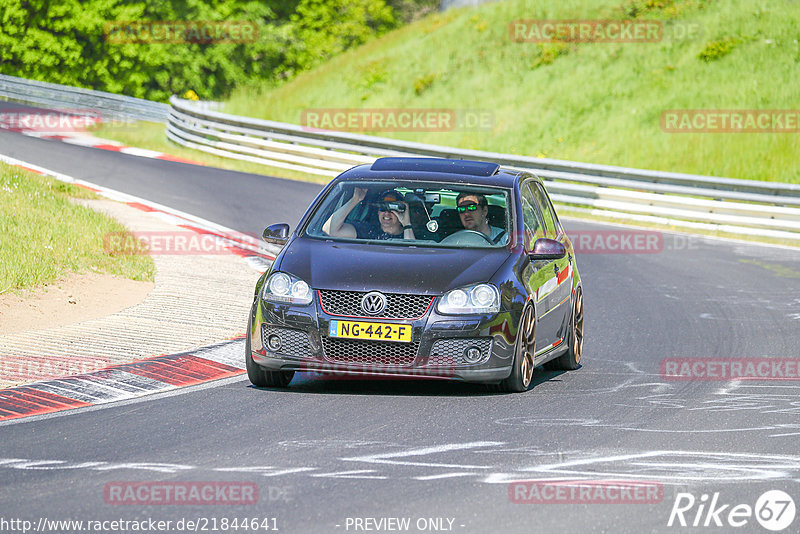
x,y
466,207
391,206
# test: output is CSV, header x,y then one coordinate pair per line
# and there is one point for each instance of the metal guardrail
x,y
55,96
705,202
744,207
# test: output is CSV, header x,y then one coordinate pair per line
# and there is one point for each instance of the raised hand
x,y
405,216
359,193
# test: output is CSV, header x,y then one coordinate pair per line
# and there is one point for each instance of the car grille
x,y
293,342
365,352
449,352
398,305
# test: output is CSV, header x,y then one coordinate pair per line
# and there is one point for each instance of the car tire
x,y
259,376
571,359
521,378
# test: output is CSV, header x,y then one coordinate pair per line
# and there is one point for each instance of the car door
x,y
539,276
560,302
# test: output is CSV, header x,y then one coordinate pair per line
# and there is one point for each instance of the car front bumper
x,y
436,350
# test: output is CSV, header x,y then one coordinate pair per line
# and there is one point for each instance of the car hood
x,y
400,269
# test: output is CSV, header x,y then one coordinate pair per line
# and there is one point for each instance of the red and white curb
x,y
123,382
82,138
104,144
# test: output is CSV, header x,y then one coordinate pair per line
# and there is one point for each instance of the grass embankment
x,y
590,102
44,236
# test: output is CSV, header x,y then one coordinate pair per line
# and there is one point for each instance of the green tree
x,y
323,28
64,41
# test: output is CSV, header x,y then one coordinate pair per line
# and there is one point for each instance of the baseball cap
x,y
391,195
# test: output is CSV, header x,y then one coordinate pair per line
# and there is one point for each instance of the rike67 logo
x,y
774,510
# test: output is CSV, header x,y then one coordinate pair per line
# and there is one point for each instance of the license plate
x,y
373,331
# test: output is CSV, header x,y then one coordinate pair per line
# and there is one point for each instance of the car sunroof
x,y
450,166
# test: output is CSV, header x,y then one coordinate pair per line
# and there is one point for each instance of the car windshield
x,y
413,214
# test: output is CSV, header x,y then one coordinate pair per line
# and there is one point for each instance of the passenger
x,y
473,210
392,223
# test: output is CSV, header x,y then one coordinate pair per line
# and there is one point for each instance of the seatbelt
x,y
496,240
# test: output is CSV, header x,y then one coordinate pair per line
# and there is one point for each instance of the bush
x,y
717,49
423,83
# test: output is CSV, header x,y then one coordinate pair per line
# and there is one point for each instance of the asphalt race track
x,y
332,455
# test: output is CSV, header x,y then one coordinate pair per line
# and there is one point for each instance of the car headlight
x,y
282,287
481,298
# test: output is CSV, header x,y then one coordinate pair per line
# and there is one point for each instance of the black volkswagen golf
x,y
420,267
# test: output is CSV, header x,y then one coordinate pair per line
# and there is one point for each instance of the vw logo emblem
x,y
373,303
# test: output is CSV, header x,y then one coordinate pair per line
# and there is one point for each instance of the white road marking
x,y
351,474
788,433
53,465
672,467
266,471
390,458
444,475
597,423
719,466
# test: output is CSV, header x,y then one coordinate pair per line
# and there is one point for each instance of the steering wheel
x,y
454,238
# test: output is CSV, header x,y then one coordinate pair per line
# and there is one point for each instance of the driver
x,y
392,223
473,210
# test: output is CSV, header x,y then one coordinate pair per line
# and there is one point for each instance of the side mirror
x,y
547,249
276,234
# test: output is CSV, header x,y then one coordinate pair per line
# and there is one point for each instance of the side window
x,y
552,208
546,209
534,229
